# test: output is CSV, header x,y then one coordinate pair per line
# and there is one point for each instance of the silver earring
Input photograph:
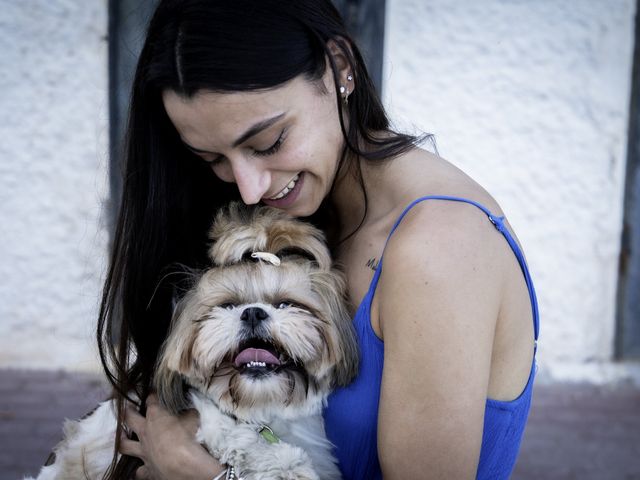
x,y
342,89
349,77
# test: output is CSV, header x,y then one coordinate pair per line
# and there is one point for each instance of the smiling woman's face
x,y
279,146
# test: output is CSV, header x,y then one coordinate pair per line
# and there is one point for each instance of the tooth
x,y
287,189
284,192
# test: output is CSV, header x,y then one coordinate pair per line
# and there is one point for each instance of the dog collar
x,y
266,433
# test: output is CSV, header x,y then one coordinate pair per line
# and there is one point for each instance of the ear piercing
x,y
345,95
343,90
342,87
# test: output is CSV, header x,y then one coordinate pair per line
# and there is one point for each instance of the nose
x,y
252,180
253,316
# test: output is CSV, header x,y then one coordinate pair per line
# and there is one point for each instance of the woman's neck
x,y
361,194
348,197
389,185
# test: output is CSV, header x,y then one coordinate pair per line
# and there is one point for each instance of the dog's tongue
x,y
255,355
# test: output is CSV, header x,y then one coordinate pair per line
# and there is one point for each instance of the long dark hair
x,y
169,195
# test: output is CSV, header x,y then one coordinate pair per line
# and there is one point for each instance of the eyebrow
x,y
251,132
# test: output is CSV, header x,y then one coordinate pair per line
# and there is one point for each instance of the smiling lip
x,y
289,197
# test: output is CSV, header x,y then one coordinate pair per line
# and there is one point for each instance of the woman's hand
x,y
167,445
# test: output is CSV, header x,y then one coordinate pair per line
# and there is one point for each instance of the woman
x,y
269,101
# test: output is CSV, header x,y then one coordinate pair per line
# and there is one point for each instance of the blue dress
x,y
351,416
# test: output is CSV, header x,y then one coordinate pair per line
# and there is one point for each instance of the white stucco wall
x,y
53,160
531,99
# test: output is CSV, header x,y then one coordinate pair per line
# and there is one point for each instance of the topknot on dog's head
x,y
239,230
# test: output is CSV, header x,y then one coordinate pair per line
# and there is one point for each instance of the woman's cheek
x,y
297,156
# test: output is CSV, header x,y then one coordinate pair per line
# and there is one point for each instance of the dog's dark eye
x,y
227,306
284,304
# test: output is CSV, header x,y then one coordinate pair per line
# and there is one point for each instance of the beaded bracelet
x,y
231,473
228,474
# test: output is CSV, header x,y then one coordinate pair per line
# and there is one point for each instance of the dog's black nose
x,y
254,315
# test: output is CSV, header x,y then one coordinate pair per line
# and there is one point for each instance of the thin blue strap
x,y
498,222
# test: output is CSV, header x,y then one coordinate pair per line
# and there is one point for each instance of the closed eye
x,y
273,148
220,158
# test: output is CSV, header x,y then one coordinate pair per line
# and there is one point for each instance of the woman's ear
x,y
342,56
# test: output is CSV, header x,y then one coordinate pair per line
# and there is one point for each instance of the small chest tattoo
x,y
373,263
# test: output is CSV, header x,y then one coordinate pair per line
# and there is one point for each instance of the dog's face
x,y
256,337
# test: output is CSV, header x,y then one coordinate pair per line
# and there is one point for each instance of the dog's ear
x,y
171,390
174,361
169,383
340,334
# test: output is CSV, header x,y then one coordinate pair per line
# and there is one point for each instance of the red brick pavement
x,y
33,406
575,431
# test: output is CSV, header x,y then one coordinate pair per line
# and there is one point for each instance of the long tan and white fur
x,y
253,343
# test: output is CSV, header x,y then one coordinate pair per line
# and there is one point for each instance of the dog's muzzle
x,y
259,357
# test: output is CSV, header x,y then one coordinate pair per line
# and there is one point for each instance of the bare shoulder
x,y
445,224
434,175
442,243
444,246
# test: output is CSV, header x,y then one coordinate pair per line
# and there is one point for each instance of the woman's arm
x,y
438,297
167,445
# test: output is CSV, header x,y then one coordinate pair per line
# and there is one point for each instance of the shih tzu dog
x,y
255,346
